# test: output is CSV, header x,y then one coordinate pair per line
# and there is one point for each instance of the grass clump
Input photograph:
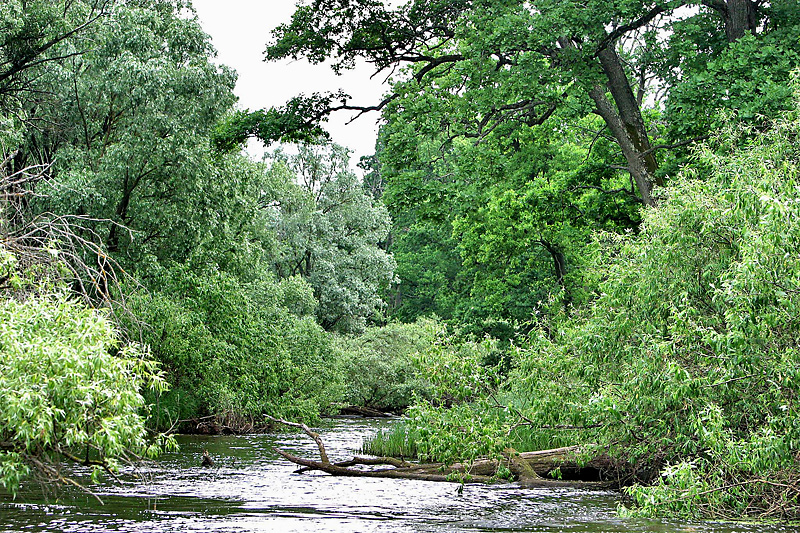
x,y
398,441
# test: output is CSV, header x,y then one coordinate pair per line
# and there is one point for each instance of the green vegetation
x,y
516,154
379,365
123,212
71,390
580,227
235,350
399,441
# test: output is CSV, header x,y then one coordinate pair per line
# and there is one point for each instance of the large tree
x,y
129,129
500,61
35,33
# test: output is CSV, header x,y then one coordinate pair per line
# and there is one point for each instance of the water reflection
x,y
251,489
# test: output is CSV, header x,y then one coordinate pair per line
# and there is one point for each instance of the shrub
x,y
378,365
235,349
70,389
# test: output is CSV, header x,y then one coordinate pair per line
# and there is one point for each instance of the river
x,y
251,489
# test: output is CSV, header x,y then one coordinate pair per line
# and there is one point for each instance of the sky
x,y
240,30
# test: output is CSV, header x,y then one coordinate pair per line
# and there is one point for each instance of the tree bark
x,y
559,261
367,412
624,119
740,17
636,166
630,112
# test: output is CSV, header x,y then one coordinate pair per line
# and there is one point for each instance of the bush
x,y
378,365
70,389
235,349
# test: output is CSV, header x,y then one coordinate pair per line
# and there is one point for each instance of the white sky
x,y
240,29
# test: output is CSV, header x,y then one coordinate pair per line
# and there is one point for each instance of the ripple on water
x,y
251,489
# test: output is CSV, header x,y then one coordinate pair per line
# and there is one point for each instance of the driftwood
x,y
530,469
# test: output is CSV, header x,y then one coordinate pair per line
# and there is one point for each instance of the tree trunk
x,y
530,469
630,112
636,166
739,16
367,412
624,119
121,212
626,123
559,268
559,261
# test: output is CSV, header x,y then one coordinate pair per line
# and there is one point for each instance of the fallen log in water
x,y
531,469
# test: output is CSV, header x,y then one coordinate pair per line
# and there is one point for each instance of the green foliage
x,y
136,132
689,357
71,390
140,106
491,69
236,349
459,422
754,72
378,365
33,33
490,231
236,234
495,164
329,232
286,124
685,364
671,344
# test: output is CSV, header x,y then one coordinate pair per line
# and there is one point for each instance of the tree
x,y
490,230
233,349
496,62
139,111
330,230
34,33
121,115
749,65
688,360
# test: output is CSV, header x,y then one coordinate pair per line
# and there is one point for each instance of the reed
x,y
398,441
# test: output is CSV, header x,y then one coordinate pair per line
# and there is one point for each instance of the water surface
x,y
252,489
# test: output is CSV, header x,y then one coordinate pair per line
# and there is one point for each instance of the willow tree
x,y
329,231
131,133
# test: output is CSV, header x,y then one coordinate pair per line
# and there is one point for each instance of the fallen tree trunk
x,y
531,469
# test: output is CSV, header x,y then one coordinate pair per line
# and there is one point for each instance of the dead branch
x,y
529,468
307,431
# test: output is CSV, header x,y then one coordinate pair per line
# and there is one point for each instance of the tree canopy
x,y
476,64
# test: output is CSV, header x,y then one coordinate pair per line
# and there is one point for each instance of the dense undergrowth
x,y
685,366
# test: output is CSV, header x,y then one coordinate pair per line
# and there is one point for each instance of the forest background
x,y
580,226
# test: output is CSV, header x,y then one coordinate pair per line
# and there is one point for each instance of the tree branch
x,y
322,454
675,145
622,30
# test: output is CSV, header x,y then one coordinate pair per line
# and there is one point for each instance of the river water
x,y
251,489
